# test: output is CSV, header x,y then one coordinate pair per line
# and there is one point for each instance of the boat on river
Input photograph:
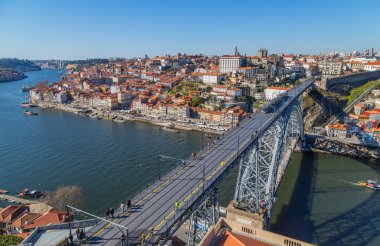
x,y
27,112
26,88
30,193
371,184
3,191
169,128
119,120
27,105
95,116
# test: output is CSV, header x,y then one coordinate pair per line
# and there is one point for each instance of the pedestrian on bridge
x,y
77,231
71,239
176,205
129,203
142,238
122,206
112,211
107,213
123,239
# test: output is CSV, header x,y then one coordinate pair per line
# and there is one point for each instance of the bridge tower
x,y
263,164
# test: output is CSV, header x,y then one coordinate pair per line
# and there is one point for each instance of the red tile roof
x,y
51,217
234,239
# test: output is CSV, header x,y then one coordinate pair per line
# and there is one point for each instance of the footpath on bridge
x,y
153,212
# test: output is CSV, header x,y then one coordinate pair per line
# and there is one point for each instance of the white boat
x,y
170,128
119,120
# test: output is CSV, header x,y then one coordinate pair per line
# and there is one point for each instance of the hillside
x,y
19,65
7,74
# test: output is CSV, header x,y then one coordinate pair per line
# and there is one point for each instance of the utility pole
x,y
204,174
68,214
202,137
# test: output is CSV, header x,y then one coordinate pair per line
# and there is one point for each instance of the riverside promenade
x,y
109,115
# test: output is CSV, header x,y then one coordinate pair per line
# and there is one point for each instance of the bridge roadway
x,y
153,211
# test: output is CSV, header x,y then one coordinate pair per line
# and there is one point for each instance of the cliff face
x,y
19,65
320,108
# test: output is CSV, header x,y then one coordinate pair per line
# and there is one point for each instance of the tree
x,y
10,240
65,195
195,102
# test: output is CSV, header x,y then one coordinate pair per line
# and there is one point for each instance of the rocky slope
x,y
319,108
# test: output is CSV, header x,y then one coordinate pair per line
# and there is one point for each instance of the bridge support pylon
x,y
263,164
203,218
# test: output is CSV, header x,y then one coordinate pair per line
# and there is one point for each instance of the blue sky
x,y
40,29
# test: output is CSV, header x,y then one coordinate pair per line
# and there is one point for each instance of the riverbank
x,y
112,115
10,75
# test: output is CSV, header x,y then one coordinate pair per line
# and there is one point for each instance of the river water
x,y
317,200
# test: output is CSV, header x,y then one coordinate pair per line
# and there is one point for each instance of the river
x,y
317,200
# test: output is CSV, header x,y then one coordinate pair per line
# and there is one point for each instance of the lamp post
x,y
68,214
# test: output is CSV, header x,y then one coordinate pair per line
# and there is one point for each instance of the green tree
x,y
171,92
10,240
208,89
195,102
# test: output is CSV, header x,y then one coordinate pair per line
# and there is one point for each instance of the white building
x,y
228,64
336,131
235,92
247,71
273,91
372,66
331,68
211,78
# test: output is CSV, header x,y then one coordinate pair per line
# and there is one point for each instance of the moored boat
x,y
27,112
30,193
170,128
27,105
26,88
119,120
3,191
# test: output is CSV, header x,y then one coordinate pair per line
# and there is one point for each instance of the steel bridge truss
x,y
259,165
262,162
203,218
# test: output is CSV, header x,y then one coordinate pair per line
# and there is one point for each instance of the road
x,y
153,210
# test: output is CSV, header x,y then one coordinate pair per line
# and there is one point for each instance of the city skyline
x,y
80,30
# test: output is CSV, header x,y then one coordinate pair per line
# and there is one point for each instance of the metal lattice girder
x,y
259,165
203,218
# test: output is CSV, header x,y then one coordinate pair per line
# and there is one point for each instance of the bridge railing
x,y
208,185
172,170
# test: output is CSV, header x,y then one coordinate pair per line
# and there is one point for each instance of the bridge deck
x,y
154,208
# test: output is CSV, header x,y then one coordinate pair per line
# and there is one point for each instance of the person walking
x,y
129,203
142,238
71,239
77,231
122,206
107,213
123,239
176,205
111,212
